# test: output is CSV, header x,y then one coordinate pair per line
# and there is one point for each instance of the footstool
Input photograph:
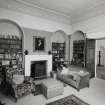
x,y
52,88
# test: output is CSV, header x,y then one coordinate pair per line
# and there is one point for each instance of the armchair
x,y
19,85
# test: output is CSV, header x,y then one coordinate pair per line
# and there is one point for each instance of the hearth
x,y
38,69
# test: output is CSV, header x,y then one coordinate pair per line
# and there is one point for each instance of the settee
x,y
77,80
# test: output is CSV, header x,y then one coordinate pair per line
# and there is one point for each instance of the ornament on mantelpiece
x,y
49,52
26,52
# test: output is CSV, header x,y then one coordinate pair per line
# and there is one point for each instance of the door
x,y
90,56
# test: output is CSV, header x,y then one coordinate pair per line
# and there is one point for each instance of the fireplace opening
x,y
38,69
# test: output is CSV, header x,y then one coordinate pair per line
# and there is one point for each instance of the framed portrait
x,y
38,43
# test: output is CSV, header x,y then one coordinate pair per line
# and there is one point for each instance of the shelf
x,y
58,53
10,46
78,52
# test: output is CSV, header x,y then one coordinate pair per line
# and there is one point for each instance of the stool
x,y
52,88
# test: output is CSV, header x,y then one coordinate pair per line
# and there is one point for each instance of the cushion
x,y
18,79
70,76
76,77
64,71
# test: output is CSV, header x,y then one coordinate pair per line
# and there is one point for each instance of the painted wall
x,y
91,26
94,27
61,37
28,40
8,28
34,22
73,38
49,38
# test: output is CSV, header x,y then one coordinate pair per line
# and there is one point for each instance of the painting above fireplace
x,y
38,43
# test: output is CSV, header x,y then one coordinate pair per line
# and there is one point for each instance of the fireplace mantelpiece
x,y
29,58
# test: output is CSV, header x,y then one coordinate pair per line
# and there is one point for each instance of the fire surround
x,y
30,58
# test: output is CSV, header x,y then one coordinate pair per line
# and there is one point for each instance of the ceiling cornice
x,y
33,10
44,9
74,18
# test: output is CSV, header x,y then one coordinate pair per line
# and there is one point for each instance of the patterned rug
x,y
70,100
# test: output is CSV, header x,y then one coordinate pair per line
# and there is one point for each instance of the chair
x,y
19,85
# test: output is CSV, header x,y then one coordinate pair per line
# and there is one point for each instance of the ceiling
x,y
67,7
71,8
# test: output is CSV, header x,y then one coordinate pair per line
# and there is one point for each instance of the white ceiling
x,y
67,7
70,8
74,10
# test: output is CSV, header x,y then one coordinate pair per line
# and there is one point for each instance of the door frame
x,y
102,38
94,54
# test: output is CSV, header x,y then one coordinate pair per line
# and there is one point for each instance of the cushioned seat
x,y
78,80
52,88
18,79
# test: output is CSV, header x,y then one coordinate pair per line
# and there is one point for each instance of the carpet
x,y
70,100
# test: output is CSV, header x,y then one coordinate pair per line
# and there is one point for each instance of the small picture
x,y
39,43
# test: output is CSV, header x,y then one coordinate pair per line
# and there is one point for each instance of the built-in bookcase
x,y
58,53
11,50
78,52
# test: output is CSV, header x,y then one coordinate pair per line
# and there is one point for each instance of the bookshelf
x,y
78,52
11,50
58,53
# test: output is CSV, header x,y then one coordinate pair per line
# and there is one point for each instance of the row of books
x,y
3,46
10,41
2,36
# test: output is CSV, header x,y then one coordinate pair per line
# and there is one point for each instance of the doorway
x,y
100,58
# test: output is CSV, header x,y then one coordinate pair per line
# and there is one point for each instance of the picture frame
x,y
38,43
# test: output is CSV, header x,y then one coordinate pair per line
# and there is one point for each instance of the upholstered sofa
x,y
77,80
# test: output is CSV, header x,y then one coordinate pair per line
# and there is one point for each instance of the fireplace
x,y
32,59
38,69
